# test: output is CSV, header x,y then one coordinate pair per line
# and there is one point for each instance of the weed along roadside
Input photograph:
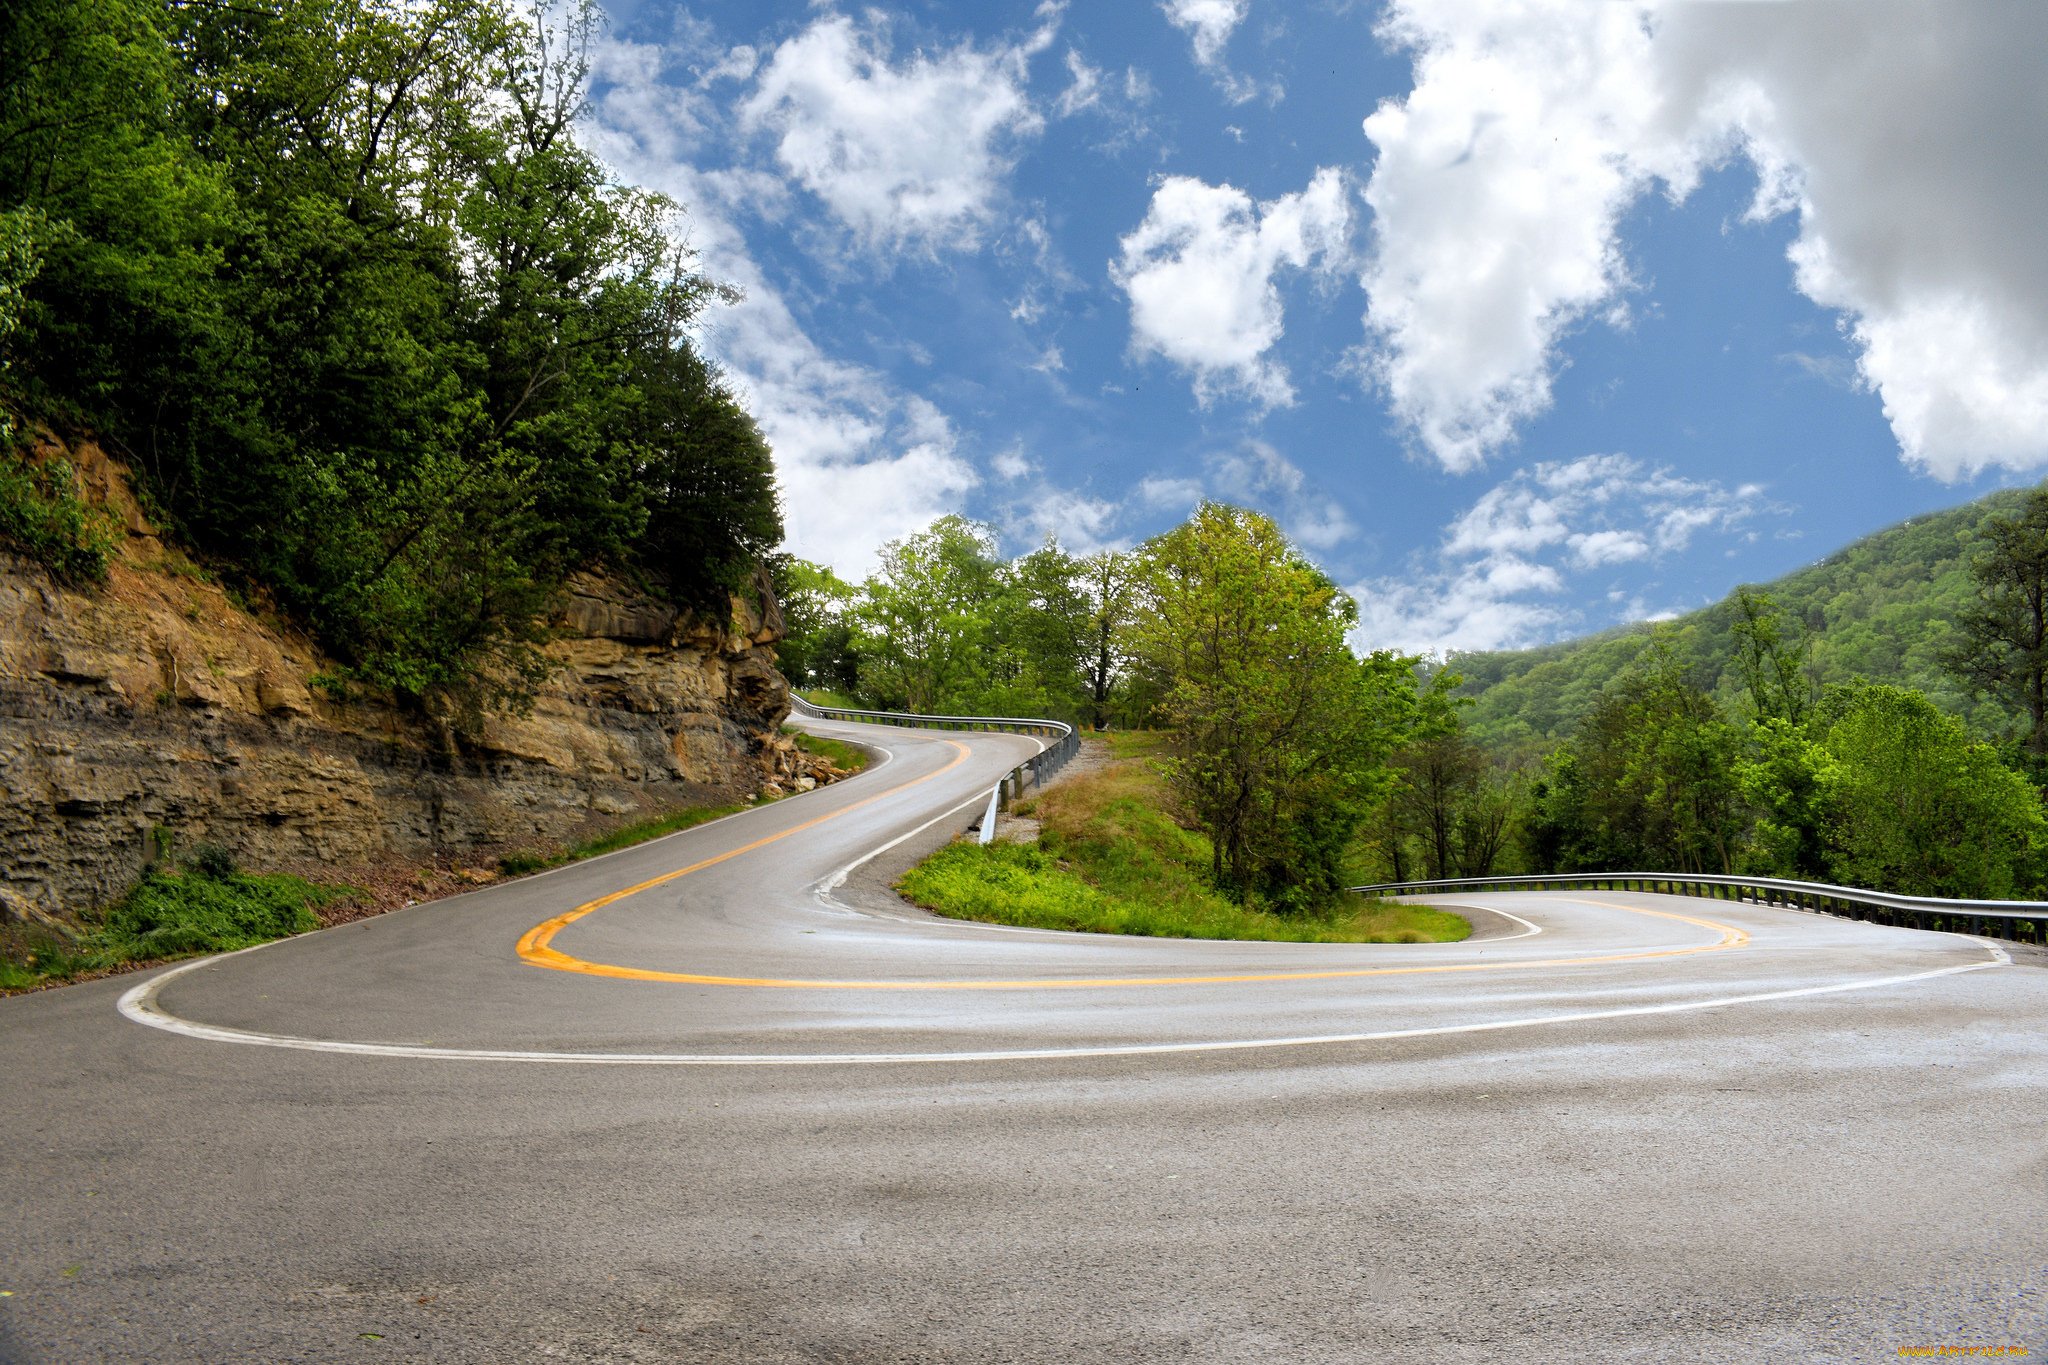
x,y
1110,859
205,904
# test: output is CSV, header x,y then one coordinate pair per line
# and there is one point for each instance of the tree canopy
x,y
379,331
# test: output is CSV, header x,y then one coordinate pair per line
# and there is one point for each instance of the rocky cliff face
x,y
155,709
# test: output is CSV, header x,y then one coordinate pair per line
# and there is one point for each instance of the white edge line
x,y
1528,930
139,1004
825,888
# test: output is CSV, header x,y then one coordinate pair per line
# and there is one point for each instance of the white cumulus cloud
x,y
1494,200
1904,138
904,153
1200,270
1208,22
1497,579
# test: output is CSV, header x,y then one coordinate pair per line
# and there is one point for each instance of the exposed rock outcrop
x,y
156,708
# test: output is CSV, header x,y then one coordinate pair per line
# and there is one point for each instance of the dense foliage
x,y
2000,647
1218,629
379,332
1281,735
1884,610
945,623
1874,787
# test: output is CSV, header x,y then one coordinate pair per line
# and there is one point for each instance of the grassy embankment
x,y
1111,860
848,756
204,907
825,696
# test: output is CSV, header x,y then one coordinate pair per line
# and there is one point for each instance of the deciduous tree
x,y
2001,647
1280,734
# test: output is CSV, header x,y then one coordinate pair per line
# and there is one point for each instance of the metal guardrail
x,y
1032,772
2020,921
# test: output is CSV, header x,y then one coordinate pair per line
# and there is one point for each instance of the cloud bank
x,y
1908,150
1499,578
904,153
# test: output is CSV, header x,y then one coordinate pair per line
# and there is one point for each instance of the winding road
x,y
722,1097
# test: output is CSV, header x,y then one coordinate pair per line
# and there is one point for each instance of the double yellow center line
x,y
535,946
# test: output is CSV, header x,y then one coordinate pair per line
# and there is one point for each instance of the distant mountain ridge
x,y
1877,609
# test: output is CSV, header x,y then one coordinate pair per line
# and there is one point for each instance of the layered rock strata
x,y
155,712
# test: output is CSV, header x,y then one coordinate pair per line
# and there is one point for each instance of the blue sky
x,y
1524,319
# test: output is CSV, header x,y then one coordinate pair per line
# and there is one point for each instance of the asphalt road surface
x,y
757,1110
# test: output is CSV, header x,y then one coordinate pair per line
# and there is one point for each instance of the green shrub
x,y
211,860
42,516
174,914
179,913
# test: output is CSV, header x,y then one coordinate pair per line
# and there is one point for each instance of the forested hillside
x,y
1880,610
386,344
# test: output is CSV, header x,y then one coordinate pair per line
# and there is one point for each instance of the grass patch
x,y
825,696
1135,743
639,832
1111,860
43,517
174,914
851,757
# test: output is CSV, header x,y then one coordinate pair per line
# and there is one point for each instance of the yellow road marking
x,y
535,947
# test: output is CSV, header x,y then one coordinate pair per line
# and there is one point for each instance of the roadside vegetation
x,y
1750,739
850,757
374,327
204,906
1111,859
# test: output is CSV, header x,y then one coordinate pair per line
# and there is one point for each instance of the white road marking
x,y
1528,930
824,889
139,1004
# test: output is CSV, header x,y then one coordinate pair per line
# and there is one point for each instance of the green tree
x,y
1776,672
817,645
1914,805
925,619
1452,802
1783,777
1280,734
2001,645
1041,620
1108,586
1647,782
